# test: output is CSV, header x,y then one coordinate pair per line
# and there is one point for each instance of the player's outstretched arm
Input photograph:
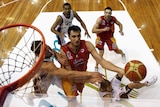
x,y
104,63
120,27
76,76
82,23
55,24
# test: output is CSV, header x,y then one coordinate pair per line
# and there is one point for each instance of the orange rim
x,y
25,78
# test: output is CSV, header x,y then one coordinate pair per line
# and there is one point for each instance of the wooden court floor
x,y
145,14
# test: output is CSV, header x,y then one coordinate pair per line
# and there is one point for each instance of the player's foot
x,y
152,80
123,58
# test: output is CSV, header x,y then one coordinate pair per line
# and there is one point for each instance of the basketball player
x,y
77,52
114,90
104,28
60,26
49,73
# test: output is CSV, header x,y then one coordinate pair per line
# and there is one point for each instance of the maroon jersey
x,y
107,34
79,60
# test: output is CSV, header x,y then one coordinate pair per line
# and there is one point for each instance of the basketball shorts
x,y
69,88
111,43
61,41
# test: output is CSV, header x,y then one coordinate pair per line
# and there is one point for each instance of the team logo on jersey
x,y
82,50
68,23
78,62
103,22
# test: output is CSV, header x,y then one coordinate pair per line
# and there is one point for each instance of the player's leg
x,y
101,52
69,88
59,40
100,46
112,45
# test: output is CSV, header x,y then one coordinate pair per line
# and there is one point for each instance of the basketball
x,y
135,70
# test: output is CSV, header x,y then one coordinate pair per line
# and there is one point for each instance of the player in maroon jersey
x,y
49,73
104,28
77,52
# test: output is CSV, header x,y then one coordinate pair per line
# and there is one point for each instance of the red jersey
x,y
79,60
107,34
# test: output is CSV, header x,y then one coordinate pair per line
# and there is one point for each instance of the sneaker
x,y
123,58
152,80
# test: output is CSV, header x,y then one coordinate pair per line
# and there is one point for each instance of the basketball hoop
x,y
18,64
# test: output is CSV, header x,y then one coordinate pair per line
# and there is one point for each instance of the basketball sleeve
x,y
116,89
115,83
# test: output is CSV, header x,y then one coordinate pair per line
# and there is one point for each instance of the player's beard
x,y
77,43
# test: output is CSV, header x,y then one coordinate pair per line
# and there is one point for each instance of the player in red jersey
x,y
104,28
77,52
49,73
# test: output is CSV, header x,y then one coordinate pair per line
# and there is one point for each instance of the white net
x,y
18,63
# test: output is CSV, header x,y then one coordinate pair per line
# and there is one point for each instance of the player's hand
x,y
62,61
88,36
96,77
121,33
